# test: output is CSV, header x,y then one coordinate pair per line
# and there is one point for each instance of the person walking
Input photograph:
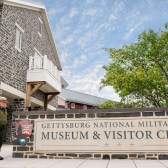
x,y
3,120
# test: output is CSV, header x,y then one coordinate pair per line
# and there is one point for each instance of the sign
x,y
24,127
102,135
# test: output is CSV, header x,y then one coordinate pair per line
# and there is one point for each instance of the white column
x,y
45,62
31,62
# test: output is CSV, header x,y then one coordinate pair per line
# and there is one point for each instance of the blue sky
x,y
82,28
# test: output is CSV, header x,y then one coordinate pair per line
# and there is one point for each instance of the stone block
x,y
31,148
106,156
15,142
124,114
52,154
151,158
50,116
33,156
71,154
147,113
141,156
97,155
14,148
23,116
22,148
91,115
42,116
80,115
163,157
59,115
160,113
43,157
30,143
70,115
85,155
18,155
32,138
33,116
149,154
60,154
132,155
119,156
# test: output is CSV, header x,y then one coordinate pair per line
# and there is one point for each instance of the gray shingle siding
x,y
14,64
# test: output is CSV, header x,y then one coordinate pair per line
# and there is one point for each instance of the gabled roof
x,y
78,97
41,8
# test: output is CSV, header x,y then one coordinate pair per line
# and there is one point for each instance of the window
x,y
66,105
19,34
40,27
72,105
85,107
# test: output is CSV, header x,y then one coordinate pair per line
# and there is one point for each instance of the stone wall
x,y
27,151
14,64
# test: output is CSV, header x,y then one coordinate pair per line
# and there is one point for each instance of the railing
x,y
44,63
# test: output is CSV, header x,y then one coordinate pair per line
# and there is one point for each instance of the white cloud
x,y
67,73
131,30
134,27
73,12
90,12
79,61
89,83
51,11
90,1
63,21
100,27
118,6
112,18
64,56
68,40
94,34
83,40
109,93
87,25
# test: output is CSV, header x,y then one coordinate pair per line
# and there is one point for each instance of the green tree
x,y
139,72
113,105
107,105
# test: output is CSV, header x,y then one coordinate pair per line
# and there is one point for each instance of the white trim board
x,y
23,4
22,95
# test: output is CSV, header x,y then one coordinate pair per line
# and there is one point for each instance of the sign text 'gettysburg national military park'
x,y
96,135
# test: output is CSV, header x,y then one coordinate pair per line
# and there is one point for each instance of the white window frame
x,y
85,107
72,105
40,27
20,33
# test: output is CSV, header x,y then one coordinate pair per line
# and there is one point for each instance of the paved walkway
x,y
10,162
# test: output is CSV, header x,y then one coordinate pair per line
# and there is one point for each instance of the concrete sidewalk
x,y
10,162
